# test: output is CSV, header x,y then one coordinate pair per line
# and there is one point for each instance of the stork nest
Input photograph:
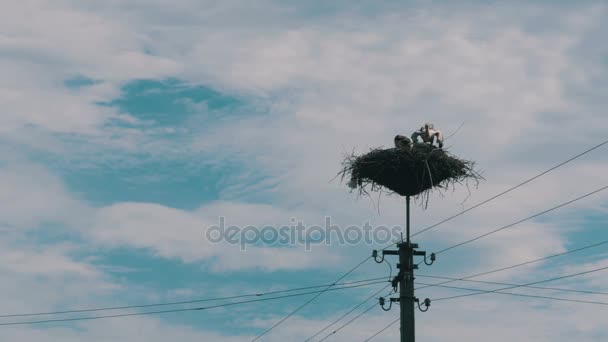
x,y
407,172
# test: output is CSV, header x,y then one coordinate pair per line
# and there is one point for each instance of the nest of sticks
x,y
414,171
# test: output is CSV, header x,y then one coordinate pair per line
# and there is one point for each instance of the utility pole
x,y
405,281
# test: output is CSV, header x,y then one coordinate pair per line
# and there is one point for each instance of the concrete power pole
x,y
405,281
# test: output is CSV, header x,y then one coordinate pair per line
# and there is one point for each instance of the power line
x,y
182,302
348,313
523,285
523,220
522,263
382,330
354,318
500,270
508,284
309,301
512,188
185,309
483,291
524,295
349,322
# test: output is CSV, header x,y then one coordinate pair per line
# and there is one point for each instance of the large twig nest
x,y
408,171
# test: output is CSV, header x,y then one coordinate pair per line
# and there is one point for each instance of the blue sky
x,y
128,128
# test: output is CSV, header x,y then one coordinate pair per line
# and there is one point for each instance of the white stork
x,y
428,134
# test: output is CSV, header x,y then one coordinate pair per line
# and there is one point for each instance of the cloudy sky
x,y
128,127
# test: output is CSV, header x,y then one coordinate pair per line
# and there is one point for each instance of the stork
x,y
403,142
429,135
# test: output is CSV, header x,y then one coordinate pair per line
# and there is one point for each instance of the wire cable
x,y
349,322
522,220
181,302
356,317
523,263
383,329
512,188
526,295
520,264
185,309
497,291
309,301
523,285
348,313
508,284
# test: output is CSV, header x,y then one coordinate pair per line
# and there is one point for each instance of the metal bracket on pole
x,y
375,256
427,305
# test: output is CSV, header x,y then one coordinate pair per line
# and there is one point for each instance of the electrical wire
x,y
357,306
185,309
522,220
524,295
181,302
382,330
349,322
309,301
523,285
348,313
508,284
512,188
524,263
356,317
505,293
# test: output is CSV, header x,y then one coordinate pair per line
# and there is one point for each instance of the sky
x,y
129,127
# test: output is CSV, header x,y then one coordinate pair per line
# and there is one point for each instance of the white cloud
x,y
32,196
50,262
